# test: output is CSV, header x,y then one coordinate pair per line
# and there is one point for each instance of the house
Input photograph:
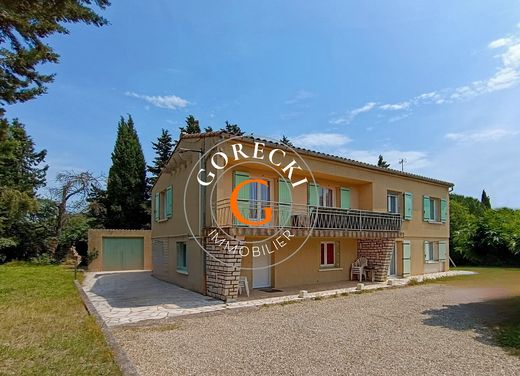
x,y
228,206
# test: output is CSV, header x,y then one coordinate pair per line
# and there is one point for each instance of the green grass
x,y
507,324
44,328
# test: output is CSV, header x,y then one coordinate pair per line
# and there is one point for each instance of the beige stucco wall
x,y
95,243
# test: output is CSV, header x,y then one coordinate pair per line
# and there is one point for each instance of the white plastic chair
x,y
358,267
243,285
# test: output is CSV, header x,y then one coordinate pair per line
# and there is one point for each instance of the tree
x,y
382,163
21,174
127,194
232,129
208,129
163,150
284,140
70,197
23,27
192,125
485,200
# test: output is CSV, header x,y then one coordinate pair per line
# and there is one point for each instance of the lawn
x,y
45,329
507,323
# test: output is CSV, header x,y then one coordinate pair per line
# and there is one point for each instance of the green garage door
x,y
123,254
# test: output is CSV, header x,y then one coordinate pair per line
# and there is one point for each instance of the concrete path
x,y
133,296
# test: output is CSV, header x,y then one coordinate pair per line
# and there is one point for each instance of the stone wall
x,y
222,266
378,253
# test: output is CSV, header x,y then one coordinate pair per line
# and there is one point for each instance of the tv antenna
x,y
402,161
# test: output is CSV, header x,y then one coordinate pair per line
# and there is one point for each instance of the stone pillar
x,y
378,253
223,266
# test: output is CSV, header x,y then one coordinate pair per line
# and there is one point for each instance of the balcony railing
x,y
300,216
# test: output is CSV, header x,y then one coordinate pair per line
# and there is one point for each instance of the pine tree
x,y
21,174
127,195
163,150
232,129
208,129
24,27
284,140
192,125
485,200
382,163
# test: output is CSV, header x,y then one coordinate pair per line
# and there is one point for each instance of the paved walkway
x,y
133,296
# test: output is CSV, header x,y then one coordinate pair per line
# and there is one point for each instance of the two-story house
x,y
227,207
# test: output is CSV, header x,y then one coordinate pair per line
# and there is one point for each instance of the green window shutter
x,y
442,250
313,194
444,210
408,205
169,202
426,250
345,198
284,203
407,253
243,194
426,208
157,206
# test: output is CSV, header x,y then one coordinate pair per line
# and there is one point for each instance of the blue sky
x,y
433,82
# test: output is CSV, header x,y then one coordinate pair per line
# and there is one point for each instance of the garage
x,y
123,254
115,250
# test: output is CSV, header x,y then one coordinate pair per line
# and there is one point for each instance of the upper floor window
x,y
393,203
435,209
326,197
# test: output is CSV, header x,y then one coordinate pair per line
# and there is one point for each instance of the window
x,y
163,206
259,198
326,197
328,254
393,202
182,262
434,209
431,251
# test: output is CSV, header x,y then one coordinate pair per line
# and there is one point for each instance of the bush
x,y
43,259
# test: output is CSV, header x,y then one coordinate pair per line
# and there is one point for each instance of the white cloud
x,y
349,116
507,75
395,107
320,140
300,96
171,102
494,134
501,42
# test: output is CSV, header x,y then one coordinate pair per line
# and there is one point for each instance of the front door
x,y
261,271
392,270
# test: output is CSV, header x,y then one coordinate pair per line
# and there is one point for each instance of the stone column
x,y
223,266
378,253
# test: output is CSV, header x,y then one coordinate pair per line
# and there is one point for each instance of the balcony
x,y
302,219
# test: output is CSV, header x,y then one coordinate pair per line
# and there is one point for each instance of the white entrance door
x,y
392,270
261,274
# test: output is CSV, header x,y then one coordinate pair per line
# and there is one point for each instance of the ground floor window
x,y
182,262
328,254
431,251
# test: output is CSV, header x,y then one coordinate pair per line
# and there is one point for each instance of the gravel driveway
x,y
422,330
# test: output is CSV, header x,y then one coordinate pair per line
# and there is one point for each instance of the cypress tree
x,y
485,200
126,187
163,149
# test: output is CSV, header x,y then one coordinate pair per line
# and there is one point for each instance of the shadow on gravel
x,y
490,320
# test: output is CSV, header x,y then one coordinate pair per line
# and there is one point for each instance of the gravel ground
x,y
422,330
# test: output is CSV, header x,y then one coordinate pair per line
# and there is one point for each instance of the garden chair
x,y
358,267
243,285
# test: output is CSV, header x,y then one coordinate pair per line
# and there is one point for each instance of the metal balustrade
x,y
305,217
